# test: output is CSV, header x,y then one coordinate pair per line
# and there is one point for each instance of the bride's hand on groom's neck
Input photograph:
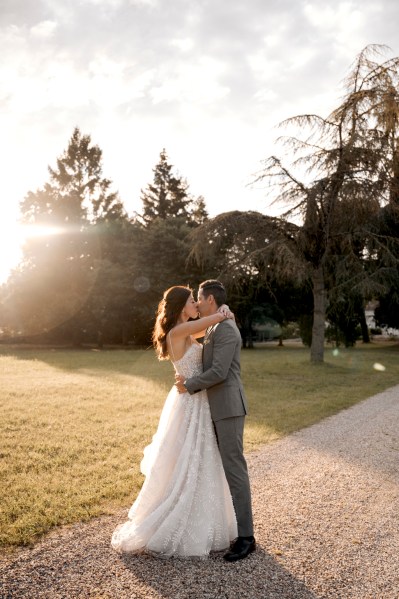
x,y
225,310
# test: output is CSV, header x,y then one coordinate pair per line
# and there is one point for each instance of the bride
x,y
184,507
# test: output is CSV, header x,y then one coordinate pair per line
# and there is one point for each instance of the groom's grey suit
x,y
222,380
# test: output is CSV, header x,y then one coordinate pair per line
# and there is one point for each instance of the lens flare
x,y
13,236
141,284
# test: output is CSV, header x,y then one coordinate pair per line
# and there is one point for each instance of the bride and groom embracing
x,y
196,495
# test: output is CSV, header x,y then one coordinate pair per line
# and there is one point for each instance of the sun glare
x,y
12,238
11,241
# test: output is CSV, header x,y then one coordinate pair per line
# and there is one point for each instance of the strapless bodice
x,y
191,363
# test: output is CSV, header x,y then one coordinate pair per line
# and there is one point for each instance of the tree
x,y
161,245
160,261
76,221
350,159
77,192
387,311
168,197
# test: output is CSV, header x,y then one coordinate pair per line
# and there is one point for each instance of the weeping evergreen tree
x,y
387,311
349,159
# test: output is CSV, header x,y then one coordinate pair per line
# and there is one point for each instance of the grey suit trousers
x,y
229,434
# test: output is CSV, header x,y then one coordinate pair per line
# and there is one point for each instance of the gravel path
x,y
326,506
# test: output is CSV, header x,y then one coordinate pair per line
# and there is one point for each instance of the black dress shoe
x,y
240,549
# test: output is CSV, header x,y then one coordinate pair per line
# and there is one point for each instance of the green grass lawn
x,y
74,422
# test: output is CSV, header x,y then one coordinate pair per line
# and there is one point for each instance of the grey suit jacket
x,y
221,376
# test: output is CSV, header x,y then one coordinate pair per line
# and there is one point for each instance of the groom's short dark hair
x,y
215,288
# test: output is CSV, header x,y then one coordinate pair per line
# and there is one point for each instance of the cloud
x,y
206,79
227,53
44,29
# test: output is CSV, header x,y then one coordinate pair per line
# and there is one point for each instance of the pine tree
x,y
77,223
168,197
77,192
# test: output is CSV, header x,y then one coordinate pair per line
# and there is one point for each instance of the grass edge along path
x,y
75,422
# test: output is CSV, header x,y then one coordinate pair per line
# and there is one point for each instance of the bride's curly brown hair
x,y
169,309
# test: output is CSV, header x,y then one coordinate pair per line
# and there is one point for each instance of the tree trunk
x,y
125,333
250,338
100,340
319,316
364,327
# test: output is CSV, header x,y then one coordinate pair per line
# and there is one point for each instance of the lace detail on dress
x,y
184,507
191,362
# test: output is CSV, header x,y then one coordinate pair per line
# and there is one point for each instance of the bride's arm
x,y
197,328
224,309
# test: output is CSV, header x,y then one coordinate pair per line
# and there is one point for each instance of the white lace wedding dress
x,y
184,507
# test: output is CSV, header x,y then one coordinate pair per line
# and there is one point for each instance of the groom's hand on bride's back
x,y
179,383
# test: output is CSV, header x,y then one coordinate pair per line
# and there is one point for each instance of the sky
x,y
208,80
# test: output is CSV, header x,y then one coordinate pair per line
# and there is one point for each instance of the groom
x,y
221,378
